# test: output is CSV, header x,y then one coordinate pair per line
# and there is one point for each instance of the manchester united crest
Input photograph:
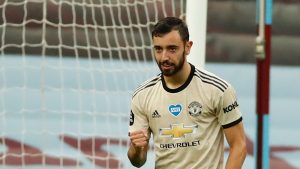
x,y
195,108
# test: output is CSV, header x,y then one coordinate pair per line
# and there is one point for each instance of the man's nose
x,y
165,55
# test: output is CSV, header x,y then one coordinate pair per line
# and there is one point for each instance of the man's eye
x,y
157,49
172,49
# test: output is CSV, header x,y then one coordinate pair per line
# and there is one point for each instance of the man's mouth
x,y
166,65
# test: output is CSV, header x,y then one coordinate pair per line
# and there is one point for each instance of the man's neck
x,y
179,78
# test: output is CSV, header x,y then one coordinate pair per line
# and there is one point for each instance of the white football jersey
x,y
187,123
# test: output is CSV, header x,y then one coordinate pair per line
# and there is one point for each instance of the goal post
x,y
196,18
67,72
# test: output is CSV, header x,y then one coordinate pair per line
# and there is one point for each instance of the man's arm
x,y
137,152
236,139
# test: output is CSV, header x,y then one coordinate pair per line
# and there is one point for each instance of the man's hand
x,y
137,152
139,139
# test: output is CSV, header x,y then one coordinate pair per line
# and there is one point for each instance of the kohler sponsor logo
x,y
230,107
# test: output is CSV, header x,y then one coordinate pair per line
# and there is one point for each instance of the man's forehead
x,y
170,39
173,34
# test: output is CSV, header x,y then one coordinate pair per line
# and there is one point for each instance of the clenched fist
x,y
139,139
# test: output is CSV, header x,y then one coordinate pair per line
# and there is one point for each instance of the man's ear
x,y
188,47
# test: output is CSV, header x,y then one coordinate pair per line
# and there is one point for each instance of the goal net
x,y
67,72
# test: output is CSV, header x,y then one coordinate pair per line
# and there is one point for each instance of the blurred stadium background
x,y
68,67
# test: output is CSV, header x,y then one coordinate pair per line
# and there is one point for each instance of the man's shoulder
x,y
147,84
211,80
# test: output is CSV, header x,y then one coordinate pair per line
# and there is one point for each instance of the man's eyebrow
x,y
157,46
172,46
169,46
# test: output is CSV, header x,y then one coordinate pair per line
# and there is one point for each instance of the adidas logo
x,y
155,114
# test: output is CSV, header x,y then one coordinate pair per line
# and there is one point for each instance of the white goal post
x,y
67,72
196,18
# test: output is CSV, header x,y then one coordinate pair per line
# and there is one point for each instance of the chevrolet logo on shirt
x,y
177,131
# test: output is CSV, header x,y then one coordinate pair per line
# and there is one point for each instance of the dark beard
x,y
177,68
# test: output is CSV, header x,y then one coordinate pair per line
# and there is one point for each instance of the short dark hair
x,y
169,24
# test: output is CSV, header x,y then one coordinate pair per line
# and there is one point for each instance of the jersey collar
x,y
183,86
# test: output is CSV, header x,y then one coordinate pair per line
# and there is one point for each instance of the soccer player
x,y
187,110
